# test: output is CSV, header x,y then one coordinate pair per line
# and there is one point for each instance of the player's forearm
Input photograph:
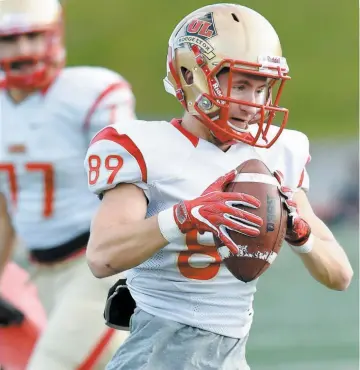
x,y
120,247
7,242
328,264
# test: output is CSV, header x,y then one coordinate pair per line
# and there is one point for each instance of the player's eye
x,y
239,87
8,38
33,35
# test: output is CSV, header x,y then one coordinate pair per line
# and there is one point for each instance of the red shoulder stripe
x,y
115,86
109,133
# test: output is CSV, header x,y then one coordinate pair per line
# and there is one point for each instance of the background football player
x,y
48,116
156,219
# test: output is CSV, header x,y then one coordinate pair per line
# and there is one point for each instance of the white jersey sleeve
x,y
289,155
112,159
295,157
103,97
115,103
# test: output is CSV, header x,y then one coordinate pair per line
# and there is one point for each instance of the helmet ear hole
x,y
187,76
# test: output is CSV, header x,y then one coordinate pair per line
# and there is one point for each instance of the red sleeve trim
x,y
99,99
303,173
109,133
301,178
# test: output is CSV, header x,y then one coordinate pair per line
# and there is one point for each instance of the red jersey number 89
x,y
112,164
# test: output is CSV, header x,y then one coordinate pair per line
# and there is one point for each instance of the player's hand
x,y
215,211
298,230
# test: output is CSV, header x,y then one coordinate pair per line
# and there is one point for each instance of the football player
x,y
162,183
49,114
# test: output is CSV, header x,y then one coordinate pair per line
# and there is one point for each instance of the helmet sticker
x,y
197,32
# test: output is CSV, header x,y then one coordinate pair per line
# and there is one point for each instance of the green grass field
x,y
301,325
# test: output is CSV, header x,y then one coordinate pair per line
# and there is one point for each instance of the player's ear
x,y
188,76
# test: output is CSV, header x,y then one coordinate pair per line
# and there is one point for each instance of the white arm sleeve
x,y
112,159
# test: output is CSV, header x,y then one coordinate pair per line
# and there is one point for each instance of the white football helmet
x,y
27,16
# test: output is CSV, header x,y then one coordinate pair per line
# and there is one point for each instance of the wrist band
x,y
306,247
167,225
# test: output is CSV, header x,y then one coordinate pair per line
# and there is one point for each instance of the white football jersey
x,y
43,142
186,280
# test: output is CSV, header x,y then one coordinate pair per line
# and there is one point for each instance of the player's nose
x,y
23,45
248,111
248,105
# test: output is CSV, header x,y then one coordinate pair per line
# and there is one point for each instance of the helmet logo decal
x,y
197,32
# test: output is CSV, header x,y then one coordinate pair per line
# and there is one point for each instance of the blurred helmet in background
x,y
24,68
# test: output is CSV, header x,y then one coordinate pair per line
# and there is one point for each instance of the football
x,y
256,254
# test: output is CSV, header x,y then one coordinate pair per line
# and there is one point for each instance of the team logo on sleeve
x,y
198,31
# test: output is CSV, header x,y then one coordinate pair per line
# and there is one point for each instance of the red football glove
x,y
298,230
215,211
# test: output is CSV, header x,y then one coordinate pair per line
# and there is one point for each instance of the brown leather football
x,y
256,254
